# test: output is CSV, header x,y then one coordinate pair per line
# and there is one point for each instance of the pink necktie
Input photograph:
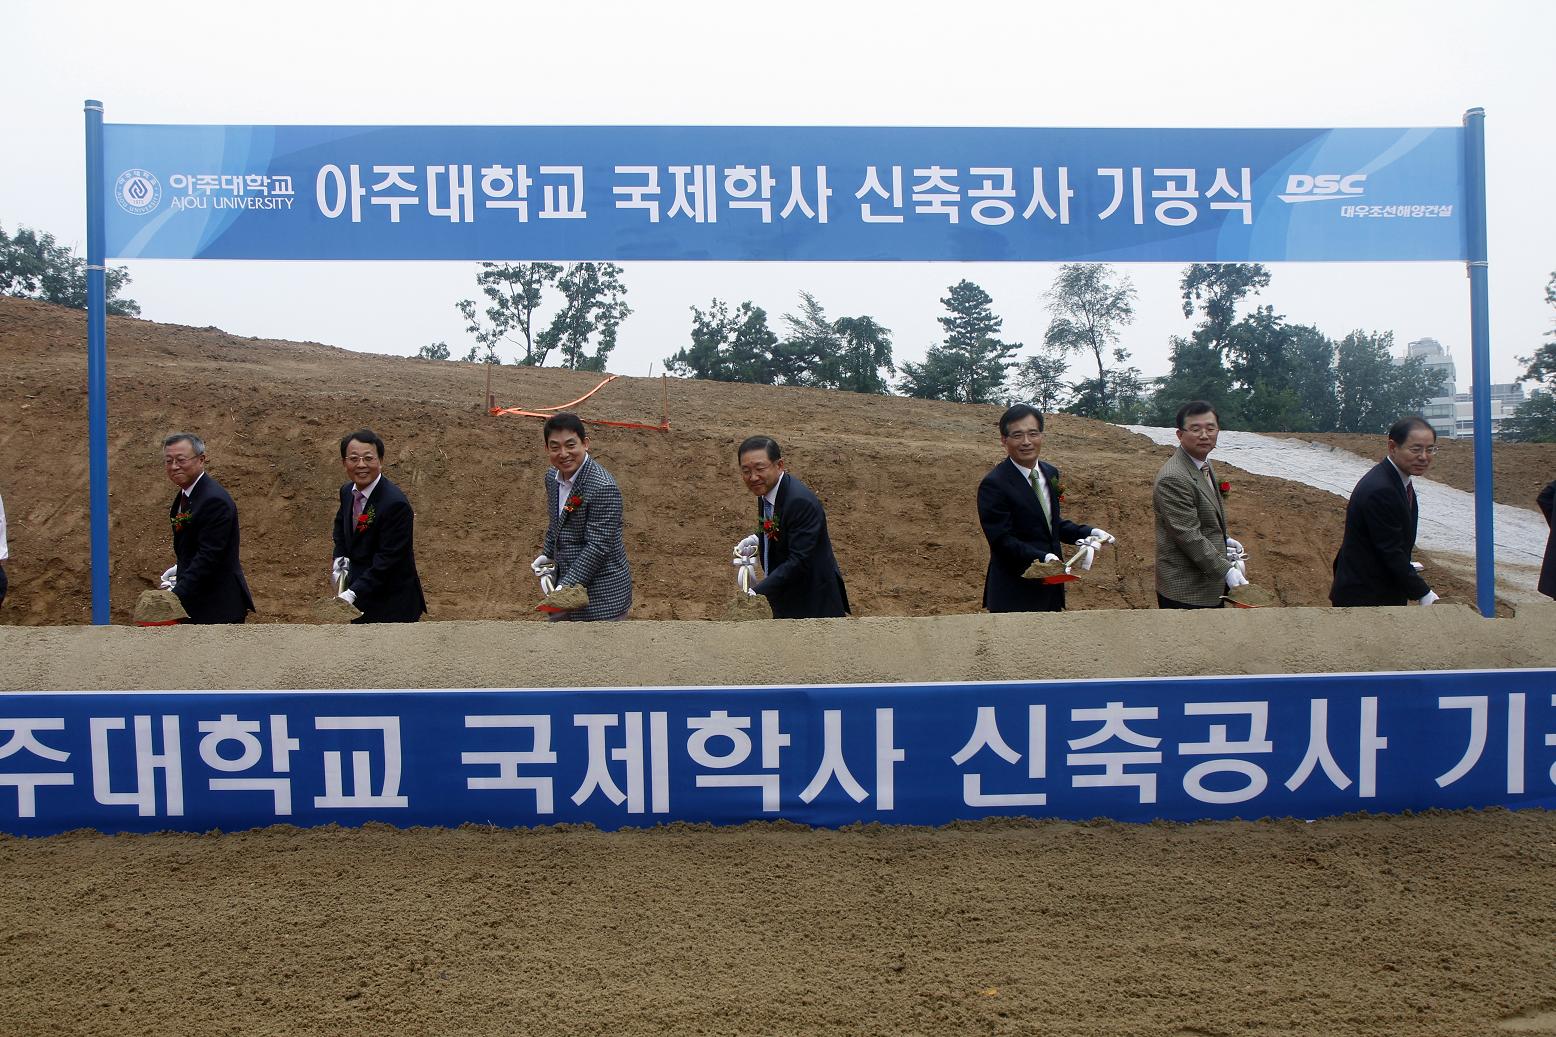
x,y
357,498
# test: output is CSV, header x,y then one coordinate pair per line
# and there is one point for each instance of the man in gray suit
x,y
584,535
1192,567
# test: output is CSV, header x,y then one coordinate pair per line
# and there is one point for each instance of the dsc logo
x,y
1323,187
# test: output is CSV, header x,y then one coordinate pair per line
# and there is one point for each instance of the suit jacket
x,y
1018,535
383,559
1373,563
1548,569
210,580
586,543
1191,563
802,580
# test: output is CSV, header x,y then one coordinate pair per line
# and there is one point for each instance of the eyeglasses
x,y
1418,451
1025,437
180,462
360,458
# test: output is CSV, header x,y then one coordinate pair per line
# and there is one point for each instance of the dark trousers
x,y
1168,603
2,585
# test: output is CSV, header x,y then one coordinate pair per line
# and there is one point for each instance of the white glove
x,y
542,565
1101,536
1417,566
747,548
1431,596
1235,579
1237,556
1050,558
349,597
1086,551
169,578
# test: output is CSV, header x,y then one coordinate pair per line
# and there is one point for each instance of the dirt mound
x,y
899,478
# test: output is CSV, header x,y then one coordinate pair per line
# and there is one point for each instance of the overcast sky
x,y
797,63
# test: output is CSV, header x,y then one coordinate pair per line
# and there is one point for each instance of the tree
x,y
1314,379
1372,391
1040,381
514,291
1219,287
1090,312
434,351
970,365
1197,374
1535,419
727,347
866,352
812,350
1118,395
593,304
35,266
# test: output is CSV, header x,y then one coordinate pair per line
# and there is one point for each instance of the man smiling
x,y
1193,567
374,532
1018,508
801,579
208,578
584,529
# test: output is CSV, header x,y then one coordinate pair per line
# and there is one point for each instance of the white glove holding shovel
x,y
1238,556
745,563
545,569
169,578
1087,548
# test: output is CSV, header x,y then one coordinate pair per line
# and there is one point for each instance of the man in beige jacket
x,y
1192,567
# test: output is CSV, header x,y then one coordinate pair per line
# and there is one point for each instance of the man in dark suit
x,y
374,529
208,578
1018,507
1373,564
1547,569
584,528
801,580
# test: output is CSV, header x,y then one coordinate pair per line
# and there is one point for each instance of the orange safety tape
x,y
498,412
585,396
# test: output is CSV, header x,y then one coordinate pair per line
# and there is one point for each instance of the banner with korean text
x,y
1177,749
783,193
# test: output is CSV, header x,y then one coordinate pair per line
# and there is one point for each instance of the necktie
x,y
1410,494
357,499
1042,498
767,513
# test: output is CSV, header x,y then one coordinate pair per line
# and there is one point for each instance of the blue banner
x,y
783,193
1137,750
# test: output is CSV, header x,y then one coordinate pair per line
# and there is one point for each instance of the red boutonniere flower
x,y
366,519
573,504
181,520
1225,488
768,527
1059,490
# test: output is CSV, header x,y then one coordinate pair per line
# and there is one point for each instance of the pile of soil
x,y
899,478
1379,926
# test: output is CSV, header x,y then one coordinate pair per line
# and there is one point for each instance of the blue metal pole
x,y
1480,354
96,361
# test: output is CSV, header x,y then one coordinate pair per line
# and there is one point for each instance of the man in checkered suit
x,y
584,536
1192,567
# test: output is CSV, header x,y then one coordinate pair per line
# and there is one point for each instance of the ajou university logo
x,y
138,191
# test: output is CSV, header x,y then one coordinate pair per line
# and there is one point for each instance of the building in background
x,y
1441,409
1451,412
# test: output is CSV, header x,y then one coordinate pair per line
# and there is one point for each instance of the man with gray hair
x,y
208,578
